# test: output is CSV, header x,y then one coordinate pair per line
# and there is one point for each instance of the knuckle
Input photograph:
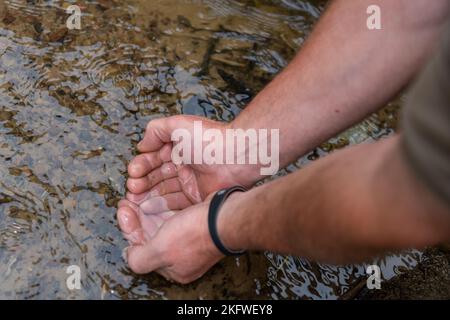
x,y
168,169
150,125
130,184
133,185
156,123
130,166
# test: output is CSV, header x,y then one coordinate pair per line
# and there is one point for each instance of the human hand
x,y
156,184
175,244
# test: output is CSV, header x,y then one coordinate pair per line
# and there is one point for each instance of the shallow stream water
x,y
73,105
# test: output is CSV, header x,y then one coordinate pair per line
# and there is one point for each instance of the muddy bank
x,y
430,279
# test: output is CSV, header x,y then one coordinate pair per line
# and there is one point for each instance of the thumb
x,y
159,132
144,259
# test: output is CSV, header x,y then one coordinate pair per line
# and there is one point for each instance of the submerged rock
x,y
58,35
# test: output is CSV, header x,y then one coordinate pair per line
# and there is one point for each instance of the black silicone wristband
x,y
214,207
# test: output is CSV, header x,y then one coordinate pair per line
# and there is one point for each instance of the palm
x,y
209,179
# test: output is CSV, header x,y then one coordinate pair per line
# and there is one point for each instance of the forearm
x,y
344,72
316,213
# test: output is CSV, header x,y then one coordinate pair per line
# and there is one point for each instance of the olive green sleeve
x,y
426,123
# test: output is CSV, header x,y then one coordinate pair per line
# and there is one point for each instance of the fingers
x,y
138,227
189,184
139,185
144,163
171,194
157,133
165,274
165,187
127,203
130,224
144,259
150,223
126,216
137,198
168,202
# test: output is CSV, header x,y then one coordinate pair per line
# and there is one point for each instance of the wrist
x,y
231,226
247,174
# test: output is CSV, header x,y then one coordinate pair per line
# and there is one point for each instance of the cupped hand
x,y
175,244
156,184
